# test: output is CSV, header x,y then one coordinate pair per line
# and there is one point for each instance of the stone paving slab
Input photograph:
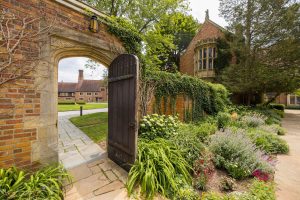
x,y
98,179
75,148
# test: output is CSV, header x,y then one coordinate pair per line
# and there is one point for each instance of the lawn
x,y
88,106
93,125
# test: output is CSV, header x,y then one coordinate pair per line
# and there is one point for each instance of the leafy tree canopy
x,y
267,40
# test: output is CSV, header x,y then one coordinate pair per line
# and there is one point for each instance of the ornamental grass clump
x,y
158,164
235,153
153,126
46,183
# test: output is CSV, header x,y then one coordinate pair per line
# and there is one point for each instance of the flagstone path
x,y
97,180
287,176
95,177
75,147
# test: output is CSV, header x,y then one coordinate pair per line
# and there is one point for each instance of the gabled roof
x,y
67,87
90,86
83,86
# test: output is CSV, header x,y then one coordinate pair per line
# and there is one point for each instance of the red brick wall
x,y
182,106
208,30
20,100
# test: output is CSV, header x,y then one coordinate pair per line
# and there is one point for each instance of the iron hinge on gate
x,y
120,78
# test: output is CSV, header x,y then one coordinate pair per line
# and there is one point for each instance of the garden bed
x,y
230,155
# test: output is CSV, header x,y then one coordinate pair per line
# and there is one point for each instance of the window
x,y
102,89
89,93
206,58
294,99
96,93
80,98
81,93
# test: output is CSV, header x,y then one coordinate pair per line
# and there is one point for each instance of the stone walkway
x,y
287,176
95,177
98,180
75,147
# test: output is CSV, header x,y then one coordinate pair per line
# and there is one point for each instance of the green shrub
x,y
202,130
262,190
268,142
237,154
66,102
80,102
158,163
185,192
253,120
227,184
46,183
188,142
273,128
223,119
293,107
200,182
153,126
277,106
259,190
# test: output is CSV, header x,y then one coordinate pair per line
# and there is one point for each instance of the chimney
x,y
80,75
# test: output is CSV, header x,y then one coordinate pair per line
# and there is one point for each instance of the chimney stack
x,y
80,75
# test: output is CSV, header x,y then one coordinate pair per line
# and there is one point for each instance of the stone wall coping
x,y
81,7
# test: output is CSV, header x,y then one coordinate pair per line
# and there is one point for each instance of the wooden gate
x,y
123,109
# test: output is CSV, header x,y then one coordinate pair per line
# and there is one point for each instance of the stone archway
x,y
28,106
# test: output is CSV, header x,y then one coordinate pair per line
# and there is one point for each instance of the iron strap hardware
x,y
119,78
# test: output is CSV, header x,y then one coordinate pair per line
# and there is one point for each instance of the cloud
x,y
68,70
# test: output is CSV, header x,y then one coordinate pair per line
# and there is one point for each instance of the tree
x,y
142,13
169,38
268,35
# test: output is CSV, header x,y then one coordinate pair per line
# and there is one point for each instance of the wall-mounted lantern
x,y
94,26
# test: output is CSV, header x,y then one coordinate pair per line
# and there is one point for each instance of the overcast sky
x,y
68,68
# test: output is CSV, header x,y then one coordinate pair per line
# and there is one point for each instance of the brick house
x,y
199,57
83,90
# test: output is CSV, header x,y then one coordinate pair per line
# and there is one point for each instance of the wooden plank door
x,y
123,110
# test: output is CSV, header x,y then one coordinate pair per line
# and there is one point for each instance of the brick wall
x,y
208,30
28,106
182,107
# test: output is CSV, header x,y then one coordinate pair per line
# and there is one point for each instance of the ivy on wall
x,y
207,98
126,32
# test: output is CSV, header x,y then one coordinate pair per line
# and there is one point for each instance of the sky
x,y
68,67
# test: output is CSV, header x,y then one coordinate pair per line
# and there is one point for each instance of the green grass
x,y
93,125
88,106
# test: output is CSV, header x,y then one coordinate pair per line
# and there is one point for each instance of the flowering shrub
x,y
253,120
203,170
153,126
237,154
263,176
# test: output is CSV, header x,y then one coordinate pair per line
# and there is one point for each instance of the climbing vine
x,y
125,31
207,97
